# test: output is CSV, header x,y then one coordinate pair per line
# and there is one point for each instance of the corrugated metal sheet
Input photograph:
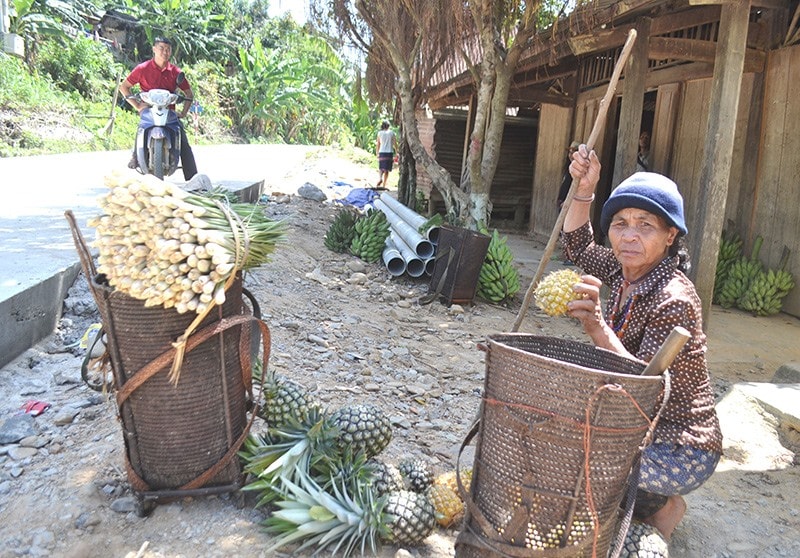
x,y
512,186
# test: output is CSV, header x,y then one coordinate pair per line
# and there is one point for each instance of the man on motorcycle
x,y
158,73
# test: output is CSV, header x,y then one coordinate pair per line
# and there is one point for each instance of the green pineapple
x,y
346,518
386,477
417,474
363,427
644,541
284,399
412,517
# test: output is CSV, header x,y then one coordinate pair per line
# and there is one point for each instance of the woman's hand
x,y
585,167
588,310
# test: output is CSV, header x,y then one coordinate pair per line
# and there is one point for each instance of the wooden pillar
x,y
630,118
715,171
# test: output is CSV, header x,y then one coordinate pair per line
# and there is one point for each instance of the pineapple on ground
x,y
284,401
386,477
555,291
448,506
347,518
449,480
363,427
644,541
416,473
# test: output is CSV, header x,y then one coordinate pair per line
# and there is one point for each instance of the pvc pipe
x,y
422,247
430,264
410,216
393,259
415,267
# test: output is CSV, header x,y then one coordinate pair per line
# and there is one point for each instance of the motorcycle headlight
x,y
157,97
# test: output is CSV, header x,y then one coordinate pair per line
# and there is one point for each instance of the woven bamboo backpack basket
x,y
180,439
561,425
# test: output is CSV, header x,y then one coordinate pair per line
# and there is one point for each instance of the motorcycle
x,y
158,139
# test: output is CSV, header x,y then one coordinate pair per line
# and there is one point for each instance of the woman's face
x,y
640,240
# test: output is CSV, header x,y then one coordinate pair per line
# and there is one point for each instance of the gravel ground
x,y
349,333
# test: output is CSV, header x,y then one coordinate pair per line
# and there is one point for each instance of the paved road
x,y
34,237
37,254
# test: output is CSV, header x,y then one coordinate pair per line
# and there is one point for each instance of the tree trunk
x,y
456,202
407,186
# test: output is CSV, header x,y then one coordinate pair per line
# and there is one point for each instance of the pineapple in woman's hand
x,y
555,291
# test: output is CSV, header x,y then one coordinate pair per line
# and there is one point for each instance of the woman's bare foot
x,y
668,517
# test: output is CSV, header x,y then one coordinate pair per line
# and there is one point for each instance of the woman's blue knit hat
x,y
650,191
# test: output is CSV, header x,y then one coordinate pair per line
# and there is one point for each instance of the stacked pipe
x,y
411,217
405,242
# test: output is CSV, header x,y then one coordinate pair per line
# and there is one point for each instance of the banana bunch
x,y
370,235
498,280
765,294
730,250
741,273
341,232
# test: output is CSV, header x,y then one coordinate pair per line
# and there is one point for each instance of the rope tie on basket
x,y
242,247
587,447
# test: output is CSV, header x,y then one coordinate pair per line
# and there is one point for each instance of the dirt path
x,y
351,338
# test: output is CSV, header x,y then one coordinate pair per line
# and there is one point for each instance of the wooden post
x,y
630,118
716,168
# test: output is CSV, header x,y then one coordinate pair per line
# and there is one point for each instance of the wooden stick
x,y
599,121
663,358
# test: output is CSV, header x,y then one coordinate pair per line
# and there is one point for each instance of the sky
x,y
297,8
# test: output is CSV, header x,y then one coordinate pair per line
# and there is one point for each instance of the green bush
x,y
21,89
82,65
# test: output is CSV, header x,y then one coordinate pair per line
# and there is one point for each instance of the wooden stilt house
x,y
711,80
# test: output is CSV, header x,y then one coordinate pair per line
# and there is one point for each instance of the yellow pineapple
x,y
556,290
448,507
448,479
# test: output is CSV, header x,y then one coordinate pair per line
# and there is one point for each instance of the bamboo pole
x,y
599,122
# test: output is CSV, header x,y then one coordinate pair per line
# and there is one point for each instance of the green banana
x,y
764,296
741,273
498,280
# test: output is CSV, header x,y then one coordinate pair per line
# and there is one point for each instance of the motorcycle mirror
x,y
181,78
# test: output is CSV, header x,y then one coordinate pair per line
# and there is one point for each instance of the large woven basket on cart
x,y
180,439
561,425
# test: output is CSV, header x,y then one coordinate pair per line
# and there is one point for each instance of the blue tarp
x,y
359,197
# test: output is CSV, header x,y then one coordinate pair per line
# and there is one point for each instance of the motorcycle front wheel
x,y
158,158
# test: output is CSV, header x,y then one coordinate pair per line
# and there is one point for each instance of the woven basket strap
x,y
630,500
136,481
633,478
87,263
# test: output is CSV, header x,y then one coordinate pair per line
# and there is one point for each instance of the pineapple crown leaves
x,y
293,444
345,519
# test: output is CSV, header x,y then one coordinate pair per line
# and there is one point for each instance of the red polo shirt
x,y
149,76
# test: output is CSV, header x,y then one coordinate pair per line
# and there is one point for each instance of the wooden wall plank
x,y
741,180
688,144
776,213
664,122
551,154
630,119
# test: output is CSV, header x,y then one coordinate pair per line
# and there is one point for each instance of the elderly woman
x,y
649,295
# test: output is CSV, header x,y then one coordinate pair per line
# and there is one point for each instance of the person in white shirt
x,y
386,147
